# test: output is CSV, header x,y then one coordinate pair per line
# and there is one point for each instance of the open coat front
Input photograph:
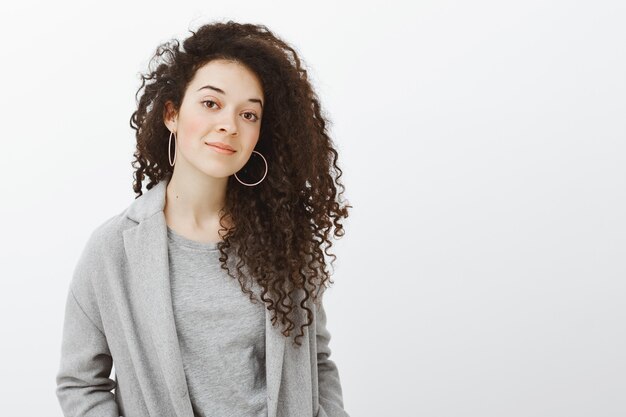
x,y
119,310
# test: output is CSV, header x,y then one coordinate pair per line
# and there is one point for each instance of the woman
x,y
195,289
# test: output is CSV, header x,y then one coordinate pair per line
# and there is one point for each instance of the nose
x,y
227,124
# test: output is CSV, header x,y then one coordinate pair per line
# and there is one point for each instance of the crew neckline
x,y
182,240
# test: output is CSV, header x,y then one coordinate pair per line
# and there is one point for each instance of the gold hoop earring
x,y
169,149
258,182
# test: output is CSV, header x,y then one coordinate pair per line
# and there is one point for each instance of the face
x,y
222,103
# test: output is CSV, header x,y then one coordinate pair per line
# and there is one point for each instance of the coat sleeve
x,y
83,383
330,392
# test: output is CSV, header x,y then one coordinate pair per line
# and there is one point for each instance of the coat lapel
x,y
147,252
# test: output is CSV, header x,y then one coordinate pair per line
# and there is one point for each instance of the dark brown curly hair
x,y
280,225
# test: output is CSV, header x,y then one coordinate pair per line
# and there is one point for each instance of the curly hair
x,y
281,225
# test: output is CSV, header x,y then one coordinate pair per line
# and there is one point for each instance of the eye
x,y
209,101
255,118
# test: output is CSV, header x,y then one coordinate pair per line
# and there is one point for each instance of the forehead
x,y
234,78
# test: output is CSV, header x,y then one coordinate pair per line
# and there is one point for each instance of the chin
x,y
215,172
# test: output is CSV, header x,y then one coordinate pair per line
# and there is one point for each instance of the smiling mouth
x,y
220,145
220,150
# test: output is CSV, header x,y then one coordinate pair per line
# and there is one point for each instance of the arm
x,y
83,383
330,393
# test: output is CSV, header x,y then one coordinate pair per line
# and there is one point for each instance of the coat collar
x,y
147,251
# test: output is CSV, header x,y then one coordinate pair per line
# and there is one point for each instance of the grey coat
x,y
119,310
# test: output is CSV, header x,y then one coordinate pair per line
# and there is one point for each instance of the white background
x,y
483,272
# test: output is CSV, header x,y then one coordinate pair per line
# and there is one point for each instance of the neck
x,y
194,199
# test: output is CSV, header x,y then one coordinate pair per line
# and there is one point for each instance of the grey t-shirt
x,y
220,331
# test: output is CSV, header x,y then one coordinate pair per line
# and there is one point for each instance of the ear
x,y
170,116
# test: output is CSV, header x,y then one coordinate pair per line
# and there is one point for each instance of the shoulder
x,y
107,235
100,254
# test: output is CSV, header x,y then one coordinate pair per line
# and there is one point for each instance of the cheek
x,y
194,125
251,139
250,134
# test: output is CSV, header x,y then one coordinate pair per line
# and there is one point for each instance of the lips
x,y
221,145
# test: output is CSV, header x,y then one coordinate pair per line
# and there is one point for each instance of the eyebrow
x,y
219,90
